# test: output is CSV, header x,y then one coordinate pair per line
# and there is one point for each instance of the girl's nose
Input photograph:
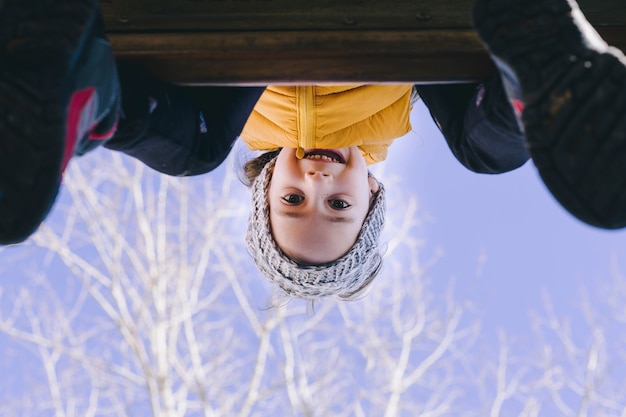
x,y
317,174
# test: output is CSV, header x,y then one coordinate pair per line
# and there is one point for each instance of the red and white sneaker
x,y
57,82
570,88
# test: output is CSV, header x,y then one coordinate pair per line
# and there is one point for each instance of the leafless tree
x,y
574,366
142,300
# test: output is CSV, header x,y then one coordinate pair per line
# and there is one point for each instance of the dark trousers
x,y
478,124
190,130
176,130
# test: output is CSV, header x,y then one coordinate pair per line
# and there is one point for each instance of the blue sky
x,y
504,238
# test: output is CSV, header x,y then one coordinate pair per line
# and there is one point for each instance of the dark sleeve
x,y
177,130
478,124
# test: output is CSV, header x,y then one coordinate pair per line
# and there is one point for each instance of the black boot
x,y
569,87
57,86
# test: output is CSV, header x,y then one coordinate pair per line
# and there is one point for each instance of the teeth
x,y
321,157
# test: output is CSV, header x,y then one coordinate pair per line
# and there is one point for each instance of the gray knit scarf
x,y
341,278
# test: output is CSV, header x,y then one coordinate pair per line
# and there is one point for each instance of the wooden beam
x,y
259,42
304,57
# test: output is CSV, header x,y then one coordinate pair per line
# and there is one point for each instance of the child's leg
x,y
478,124
179,130
57,83
571,86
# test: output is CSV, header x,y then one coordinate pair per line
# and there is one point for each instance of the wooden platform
x,y
258,42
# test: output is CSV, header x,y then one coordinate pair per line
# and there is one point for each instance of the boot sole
x,y
40,42
573,87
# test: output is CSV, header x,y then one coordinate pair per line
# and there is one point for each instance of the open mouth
x,y
327,155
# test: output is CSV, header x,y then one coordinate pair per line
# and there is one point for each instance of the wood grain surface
x,y
258,42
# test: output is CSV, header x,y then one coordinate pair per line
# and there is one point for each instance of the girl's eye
x,y
338,204
293,199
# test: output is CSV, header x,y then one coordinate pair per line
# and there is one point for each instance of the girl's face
x,y
318,203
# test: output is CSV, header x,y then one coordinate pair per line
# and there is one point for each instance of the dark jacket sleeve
x,y
180,131
478,124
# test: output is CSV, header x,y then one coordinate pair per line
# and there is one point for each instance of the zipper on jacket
x,y
306,118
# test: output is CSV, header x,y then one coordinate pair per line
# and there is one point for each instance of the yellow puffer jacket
x,y
306,117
